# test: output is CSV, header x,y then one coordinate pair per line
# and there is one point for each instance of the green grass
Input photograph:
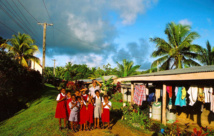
x,y
38,119
116,105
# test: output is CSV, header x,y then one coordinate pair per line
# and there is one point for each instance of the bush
x,y
18,85
117,97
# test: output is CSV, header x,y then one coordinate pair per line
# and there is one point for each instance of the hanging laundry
x,y
176,90
193,95
212,100
139,94
207,94
147,91
157,94
151,98
181,97
201,95
169,90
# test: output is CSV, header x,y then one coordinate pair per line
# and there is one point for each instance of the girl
x,y
67,103
82,118
89,112
85,96
61,108
106,114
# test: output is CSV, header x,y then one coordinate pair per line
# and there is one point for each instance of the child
x,y
106,114
61,108
90,112
85,96
97,109
74,106
82,117
67,104
77,93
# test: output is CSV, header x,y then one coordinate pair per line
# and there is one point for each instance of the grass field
x,y
38,119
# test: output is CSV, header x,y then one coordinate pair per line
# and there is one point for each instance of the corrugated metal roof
x,y
197,69
99,79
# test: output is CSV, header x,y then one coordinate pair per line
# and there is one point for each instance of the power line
x,y
46,9
23,14
28,12
18,18
8,27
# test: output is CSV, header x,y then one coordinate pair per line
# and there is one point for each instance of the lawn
x,y
38,119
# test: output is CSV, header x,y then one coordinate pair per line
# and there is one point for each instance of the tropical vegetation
x,y
179,49
206,55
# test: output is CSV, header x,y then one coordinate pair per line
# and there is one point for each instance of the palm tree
x,y
178,50
22,47
206,55
127,68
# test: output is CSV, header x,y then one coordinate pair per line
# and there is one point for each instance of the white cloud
x,y
185,22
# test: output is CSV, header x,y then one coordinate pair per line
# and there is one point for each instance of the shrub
x,y
117,96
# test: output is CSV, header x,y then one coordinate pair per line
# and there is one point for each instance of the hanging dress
x,y
169,90
181,97
193,94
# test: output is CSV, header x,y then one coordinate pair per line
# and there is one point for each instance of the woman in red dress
x,y
61,108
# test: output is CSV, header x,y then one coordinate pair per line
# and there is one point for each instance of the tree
x,y
22,46
127,68
2,43
206,55
178,50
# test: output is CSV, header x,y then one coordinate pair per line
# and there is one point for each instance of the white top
x,y
92,90
74,109
106,107
193,95
207,94
96,101
58,97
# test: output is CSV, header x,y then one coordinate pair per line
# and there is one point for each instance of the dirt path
x,y
118,130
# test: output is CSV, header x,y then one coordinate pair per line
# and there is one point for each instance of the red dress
x,y
85,97
105,115
90,113
67,107
82,115
61,108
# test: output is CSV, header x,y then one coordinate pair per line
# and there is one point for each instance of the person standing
x,y
94,87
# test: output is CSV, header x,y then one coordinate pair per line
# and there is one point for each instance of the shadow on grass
x,y
116,115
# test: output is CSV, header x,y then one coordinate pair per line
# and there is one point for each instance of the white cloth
x,y
58,96
93,89
176,90
147,91
207,94
193,95
74,109
106,107
212,103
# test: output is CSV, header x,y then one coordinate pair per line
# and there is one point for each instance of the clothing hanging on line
x,y
169,90
193,94
139,94
181,97
157,94
201,95
212,100
207,94
176,90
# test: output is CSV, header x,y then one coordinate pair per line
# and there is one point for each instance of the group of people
x,y
81,110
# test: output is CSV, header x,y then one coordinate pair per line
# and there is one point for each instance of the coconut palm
x,y
206,55
178,50
127,68
22,46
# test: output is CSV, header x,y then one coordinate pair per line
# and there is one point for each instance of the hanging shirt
x,y
169,90
207,94
193,94
181,94
201,95
176,90
139,94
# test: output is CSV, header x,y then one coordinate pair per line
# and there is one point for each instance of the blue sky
x,y
105,31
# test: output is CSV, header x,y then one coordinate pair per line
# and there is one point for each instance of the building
x,y
33,65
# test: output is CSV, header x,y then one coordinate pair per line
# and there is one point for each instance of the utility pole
x,y
44,47
54,67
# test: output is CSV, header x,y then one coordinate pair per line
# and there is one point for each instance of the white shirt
x,y
96,98
106,107
58,97
92,90
74,109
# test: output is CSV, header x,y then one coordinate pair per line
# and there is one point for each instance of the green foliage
x,y
22,46
179,50
206,55
107,85
117,96
127,68
18,85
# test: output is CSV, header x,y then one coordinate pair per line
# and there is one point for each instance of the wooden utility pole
x,y
54,67
44,47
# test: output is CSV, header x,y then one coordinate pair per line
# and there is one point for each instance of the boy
x,y
97,109
106,113
74,106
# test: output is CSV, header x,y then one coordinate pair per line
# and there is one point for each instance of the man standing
x,y
94,87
